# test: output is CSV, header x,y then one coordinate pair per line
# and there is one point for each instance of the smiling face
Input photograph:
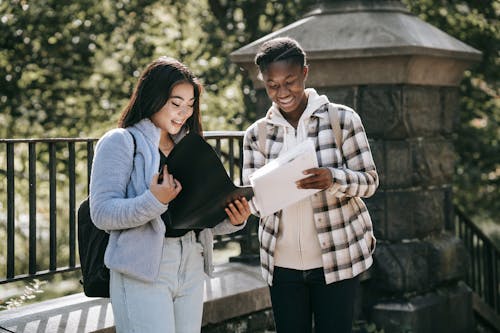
x,y
285,86
177,110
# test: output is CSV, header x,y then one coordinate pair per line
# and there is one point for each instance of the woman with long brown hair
x,y
157,278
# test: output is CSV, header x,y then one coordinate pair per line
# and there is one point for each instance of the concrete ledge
x,y
74,313
235,290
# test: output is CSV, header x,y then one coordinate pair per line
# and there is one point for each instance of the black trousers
x,y
299,296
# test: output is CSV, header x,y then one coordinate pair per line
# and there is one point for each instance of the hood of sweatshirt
x,y
314,102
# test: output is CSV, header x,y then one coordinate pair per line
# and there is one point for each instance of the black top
x,y
169,231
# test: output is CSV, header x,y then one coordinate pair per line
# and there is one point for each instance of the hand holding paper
x,y
275,185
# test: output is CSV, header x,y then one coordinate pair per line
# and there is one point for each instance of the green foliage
x,y
237,23
477,141
68,68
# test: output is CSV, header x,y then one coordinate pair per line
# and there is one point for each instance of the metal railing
x,y
483,274
41,183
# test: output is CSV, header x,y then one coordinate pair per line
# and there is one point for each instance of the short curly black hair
x,y
280,48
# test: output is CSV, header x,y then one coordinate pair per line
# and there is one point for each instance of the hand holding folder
x,y
206,186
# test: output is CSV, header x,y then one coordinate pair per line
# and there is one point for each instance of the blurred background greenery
x,y
68,68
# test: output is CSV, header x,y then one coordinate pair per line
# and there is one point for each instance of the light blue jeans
x,y
174,303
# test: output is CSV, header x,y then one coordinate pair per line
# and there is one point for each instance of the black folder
x,y
206,186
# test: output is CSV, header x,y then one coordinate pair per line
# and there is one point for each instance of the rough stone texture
x,y
446,310
450,107
433,162
245,302
380,108
421,109
341,95
406,111
419,265
407,214
401,267
413,162
448,258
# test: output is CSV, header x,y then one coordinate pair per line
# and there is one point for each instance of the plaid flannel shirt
x,y
342,221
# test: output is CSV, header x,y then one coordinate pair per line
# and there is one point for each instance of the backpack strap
x,y
335,122
135,144
261,136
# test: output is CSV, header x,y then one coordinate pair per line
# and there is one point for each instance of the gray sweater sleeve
x,y
225,227
112,166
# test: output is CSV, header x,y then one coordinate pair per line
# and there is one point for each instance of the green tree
x,y
237,23
56,72
476,185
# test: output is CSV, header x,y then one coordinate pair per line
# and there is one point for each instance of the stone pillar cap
x,y
360,29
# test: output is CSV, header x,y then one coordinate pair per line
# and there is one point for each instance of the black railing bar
x,y
10,211
52,207
72,199
470,247
476,229
494,280
486,273
218,146
231,158
240,158
465,240
480,276
496,286
23,277
477,255
32,207
90,157
496,276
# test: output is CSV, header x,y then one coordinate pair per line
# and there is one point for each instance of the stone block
x,y
419,265
422,110
381,112
378,152
450,110
341,95
447,310
401,267
407,214
414,162
433,161
394,163
448,258
407,111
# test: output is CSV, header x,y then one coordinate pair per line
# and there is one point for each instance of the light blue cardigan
x,y
122,204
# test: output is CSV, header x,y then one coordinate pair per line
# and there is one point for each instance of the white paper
x,y
274,184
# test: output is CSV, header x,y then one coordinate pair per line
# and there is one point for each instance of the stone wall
x,y
417,262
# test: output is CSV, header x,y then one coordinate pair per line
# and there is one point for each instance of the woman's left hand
x,y
238,211
320,178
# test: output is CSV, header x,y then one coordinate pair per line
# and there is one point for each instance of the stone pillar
x,y
401,75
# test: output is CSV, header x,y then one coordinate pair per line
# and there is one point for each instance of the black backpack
x,y
92,243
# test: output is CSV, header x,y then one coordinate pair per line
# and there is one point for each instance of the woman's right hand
x,y
164,186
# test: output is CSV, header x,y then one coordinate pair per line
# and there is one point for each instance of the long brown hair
x,y
154,89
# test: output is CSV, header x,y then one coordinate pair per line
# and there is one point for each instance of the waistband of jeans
x,y
189,236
